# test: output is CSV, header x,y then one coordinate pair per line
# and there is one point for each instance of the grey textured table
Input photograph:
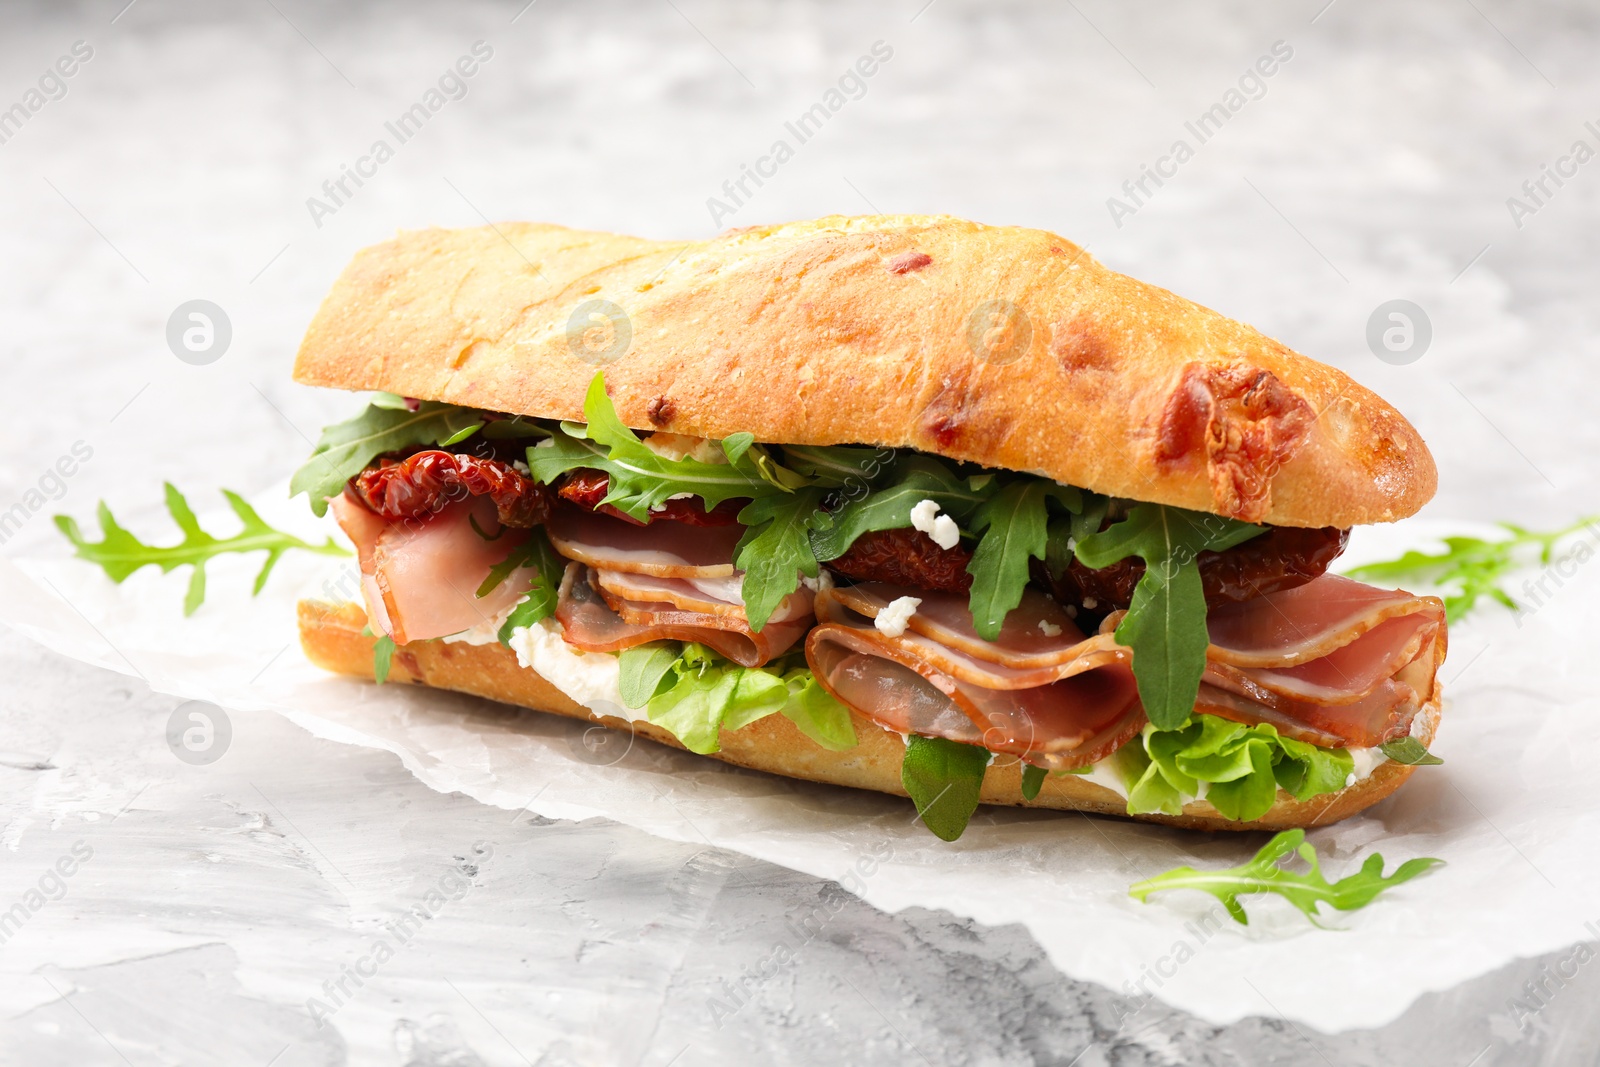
x,y
178,161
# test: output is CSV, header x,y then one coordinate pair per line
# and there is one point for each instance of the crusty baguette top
x,y
1008,347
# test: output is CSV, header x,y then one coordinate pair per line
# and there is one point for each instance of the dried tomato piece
x,y
426,481
906,557
1281,558
587,487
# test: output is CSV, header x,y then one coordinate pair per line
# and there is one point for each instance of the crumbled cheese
x,y
1350,779
522,468
821,583
892,619
942,528
678,445
545,442
1090,602
1049,628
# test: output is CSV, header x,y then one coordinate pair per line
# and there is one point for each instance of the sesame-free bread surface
x,y
1008,347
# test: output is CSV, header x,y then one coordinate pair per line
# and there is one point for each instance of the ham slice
x,y
662,549
421,577
1066,713
1333,662
594,622
712,596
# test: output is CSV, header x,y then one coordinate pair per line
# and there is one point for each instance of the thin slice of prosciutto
x,y
663,549
597,621
420,576
1044,693
1333,662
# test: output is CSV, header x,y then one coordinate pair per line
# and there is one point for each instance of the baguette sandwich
x,y
903,503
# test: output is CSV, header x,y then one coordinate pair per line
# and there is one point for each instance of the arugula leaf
x,y
640,479
120,553
916,478
1015,528
838,466
1266,874
1032,781
1410,751
543,592
1472,568
943,779
382,658
775,550
1166,623
1243,766
345,448
642,669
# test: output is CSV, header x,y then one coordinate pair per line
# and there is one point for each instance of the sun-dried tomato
x,y
906,557
587,487
426,481
1281,558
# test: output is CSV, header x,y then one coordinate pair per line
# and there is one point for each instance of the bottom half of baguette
x,y
334,638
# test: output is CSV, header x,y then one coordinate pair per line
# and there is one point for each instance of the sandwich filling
x,y
986,616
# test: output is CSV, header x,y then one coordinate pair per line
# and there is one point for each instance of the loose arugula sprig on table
x,y
1472,568
119,552
1266,874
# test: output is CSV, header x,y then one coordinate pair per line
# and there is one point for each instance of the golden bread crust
x,y
1008,347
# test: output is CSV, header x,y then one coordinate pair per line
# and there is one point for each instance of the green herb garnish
x,y
1471,568
346,448
1014,524
543,591
1410,751
382,658
1166,622
943,779
1266,874
120,553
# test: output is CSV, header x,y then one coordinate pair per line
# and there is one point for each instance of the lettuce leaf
x,y
1243,767
1166,623
696,694
1265,873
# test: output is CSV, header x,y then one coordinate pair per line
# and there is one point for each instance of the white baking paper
x,y
1513,810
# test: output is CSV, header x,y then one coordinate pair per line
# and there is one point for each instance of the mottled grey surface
x,y
218,899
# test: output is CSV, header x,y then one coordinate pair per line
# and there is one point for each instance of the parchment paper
x,y
1513,810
